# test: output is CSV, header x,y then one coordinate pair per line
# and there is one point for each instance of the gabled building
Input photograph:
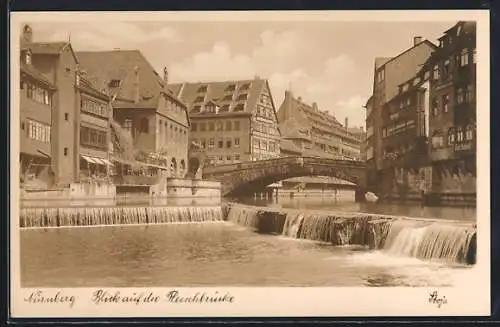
x,y
315,132
232,121
155,118
36,92
58,63
389,75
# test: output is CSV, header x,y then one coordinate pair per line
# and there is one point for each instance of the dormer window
x,y
114,83
239,107
199,99
202,89
27,57
245,86
230,88
242,97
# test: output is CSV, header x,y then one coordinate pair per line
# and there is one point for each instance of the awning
x,y
97,161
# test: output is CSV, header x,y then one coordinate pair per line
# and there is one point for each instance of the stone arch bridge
x,y
247,177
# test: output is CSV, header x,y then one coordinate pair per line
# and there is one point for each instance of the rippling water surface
x,y
210,254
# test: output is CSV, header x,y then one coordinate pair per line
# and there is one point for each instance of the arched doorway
x,y
173,167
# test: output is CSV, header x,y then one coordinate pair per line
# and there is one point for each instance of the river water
x,y
223,253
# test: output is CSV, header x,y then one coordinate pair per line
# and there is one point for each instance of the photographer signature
x,y
434,298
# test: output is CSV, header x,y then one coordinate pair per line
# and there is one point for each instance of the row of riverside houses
x,y
308,131
421,119
68,102
71,101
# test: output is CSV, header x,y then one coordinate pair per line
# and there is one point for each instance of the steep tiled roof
x,y
119,65
36,74
229,95
380,61
295,130
288,145
48,48
54,48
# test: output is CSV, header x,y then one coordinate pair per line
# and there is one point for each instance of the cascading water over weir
x,y
423,239
95,216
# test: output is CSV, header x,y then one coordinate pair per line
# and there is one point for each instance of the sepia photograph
x,y
222,153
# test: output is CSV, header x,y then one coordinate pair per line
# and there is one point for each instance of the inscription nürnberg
x,y
102,296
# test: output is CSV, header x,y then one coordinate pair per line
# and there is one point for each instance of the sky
x,y
330,63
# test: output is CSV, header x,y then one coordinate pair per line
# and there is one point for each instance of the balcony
x,y
465,147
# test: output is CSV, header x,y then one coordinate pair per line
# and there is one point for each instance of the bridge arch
x,y
248,177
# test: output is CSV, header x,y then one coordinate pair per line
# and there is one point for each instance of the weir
x,y
426,239
96,216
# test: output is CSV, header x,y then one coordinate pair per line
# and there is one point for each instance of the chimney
x,y
346,124
315,106
27,34
137,94
417,40
165,75
27,57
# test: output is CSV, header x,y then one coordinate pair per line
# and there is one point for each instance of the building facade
x,y
58,63
154,118
315,132
231,121
35,95
389,75
452,125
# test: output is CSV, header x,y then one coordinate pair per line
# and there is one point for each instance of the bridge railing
x,y
259,164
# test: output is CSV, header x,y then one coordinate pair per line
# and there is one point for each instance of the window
x,y
65,151
460,135
211,126
384,132
227,97
437,141
446,68
221,158
166,131
464,58
427,74
66,116
224,108
239,107
203,144
93,137
194,127
221,144
220,126
460,95
451,136
236,142
445,102
38,94
228,144
242,97
236,125
381,75
469,94
474,55
469,133
93,107
228,125
236,157
435,72
435,107
211,143
231,87
228,158
38,131
202,89
202,127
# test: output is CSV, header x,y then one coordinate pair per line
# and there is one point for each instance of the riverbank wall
x,y
427,239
